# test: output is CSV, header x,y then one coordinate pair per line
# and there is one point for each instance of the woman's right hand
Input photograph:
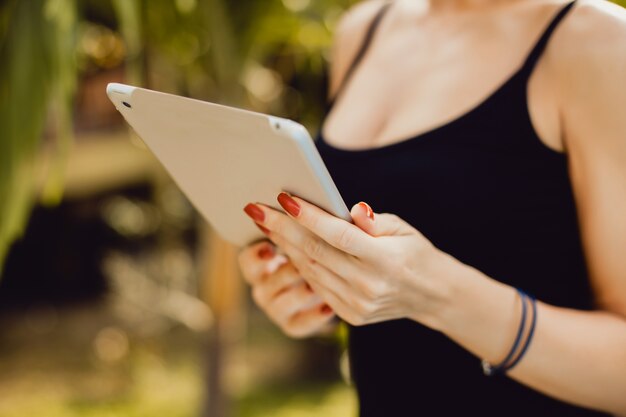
x,y
279,290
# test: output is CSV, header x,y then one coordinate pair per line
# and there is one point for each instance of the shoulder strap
x,y
537,50
367,40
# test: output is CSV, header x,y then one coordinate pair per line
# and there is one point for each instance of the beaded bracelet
x,y
509,362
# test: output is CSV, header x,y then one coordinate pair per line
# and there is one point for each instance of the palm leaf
x,y
36,72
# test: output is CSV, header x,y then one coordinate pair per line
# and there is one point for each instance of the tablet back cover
x,y
223,158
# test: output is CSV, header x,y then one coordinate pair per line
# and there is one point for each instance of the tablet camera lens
x,y
126,104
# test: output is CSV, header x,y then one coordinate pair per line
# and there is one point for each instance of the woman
x,y
489,136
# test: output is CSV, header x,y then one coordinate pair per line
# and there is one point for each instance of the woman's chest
x,y
405,87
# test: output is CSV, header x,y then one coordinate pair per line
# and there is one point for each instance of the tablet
x,y
223,158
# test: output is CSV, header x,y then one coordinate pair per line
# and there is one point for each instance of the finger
x,y
285,277
363,217
253,260
306,322
289,236
289,302
303,263
353,303
380,224
337,305
350,301
334,289
348,313
328,284
388,224
339,233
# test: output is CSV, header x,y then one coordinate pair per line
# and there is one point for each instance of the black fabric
x,y
485,189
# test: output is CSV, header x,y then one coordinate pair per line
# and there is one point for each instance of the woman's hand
x,y
279,290
379,268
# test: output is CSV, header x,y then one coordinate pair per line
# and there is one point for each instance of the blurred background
x,y
116,299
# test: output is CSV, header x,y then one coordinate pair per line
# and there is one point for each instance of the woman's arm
x,y
577,356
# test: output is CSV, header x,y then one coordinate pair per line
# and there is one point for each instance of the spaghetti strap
x,y
367,40
536,51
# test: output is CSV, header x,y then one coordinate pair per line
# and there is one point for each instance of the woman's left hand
x,y
379,268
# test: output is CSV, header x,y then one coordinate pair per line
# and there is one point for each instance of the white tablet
x,y
223,158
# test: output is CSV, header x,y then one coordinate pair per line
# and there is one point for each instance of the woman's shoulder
x,y
587,57
348,36
593,35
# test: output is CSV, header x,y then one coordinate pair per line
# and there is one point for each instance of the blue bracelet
x,y
531,331
489,369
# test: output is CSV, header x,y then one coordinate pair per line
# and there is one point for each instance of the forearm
x,y
576,356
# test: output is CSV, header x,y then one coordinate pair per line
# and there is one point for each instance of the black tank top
x,y
485,189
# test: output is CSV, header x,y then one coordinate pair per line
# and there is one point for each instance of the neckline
x,y
428,133
524,70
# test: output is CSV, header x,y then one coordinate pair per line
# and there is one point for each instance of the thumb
x,y
363,217
379,224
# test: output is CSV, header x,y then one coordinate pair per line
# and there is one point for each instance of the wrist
x,y
481,314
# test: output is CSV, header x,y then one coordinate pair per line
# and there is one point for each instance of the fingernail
x,y
289,204
368,209
326,309
266,252
263,229
254,212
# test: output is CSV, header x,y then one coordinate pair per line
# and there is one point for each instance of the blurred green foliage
x,y
37,78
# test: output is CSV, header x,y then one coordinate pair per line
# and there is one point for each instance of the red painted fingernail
x,y
255,212
289,204
263,229
266,252
368,209
326,309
